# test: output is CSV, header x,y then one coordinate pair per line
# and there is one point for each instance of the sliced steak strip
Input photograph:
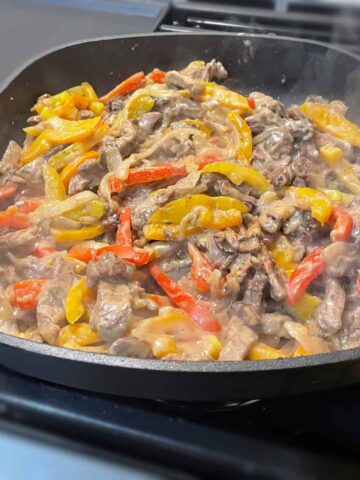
x,y
110,268
238,340
113,311
328,316
50,314
276,278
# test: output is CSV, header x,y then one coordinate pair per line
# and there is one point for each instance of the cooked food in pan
x,y
175,218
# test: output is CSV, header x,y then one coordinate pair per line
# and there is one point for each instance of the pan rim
x,y
155,365
5,83
243,366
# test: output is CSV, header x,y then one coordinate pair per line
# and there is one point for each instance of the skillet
x,y
289,69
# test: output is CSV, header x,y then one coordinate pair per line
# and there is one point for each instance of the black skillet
x,y
282,67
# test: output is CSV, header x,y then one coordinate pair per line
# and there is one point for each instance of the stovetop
x,y
314,436
307,437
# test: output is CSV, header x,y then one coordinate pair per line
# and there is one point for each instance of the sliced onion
x,y
311,344
55,208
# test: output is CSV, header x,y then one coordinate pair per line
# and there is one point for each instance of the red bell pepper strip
x,y
134,255
308,269
41,249
157,76
358,284
123,234
139,176
12,218
251,102
201,269
27,293
198,310
124,88
342,224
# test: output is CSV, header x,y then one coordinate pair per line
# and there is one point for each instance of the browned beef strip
x,y
212,71
88,176
273,324
147,124
328,316
277,279
19,240
246,312
238,340
218,256
176,79
11,158
33,171
110,153
349,335
109,267
131,347
129,138
341,258
255,288
50,312
35,267
113,311
177,108
241,242
282,176
238,272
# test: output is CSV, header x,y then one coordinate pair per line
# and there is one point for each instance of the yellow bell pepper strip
x,y
140,105
38,147
308,269
93,211
205,218
300,351
71,168
75,302
70,153
342,223
283,254
305,307
336,196
175,211
201,269
54,187
330,121
194,122
57,132
244,134
73,236
198,310
261,351
343,169
27,292
78,335
124,88
238,174
227,98
320,205
163,345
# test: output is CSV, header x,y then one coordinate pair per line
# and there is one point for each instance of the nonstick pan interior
x,y
285,68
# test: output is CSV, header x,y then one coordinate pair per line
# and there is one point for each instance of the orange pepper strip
x,y
12,218
27,293
7,192
157,76
127,86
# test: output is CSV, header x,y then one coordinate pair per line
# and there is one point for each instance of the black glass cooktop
x,y
313,436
